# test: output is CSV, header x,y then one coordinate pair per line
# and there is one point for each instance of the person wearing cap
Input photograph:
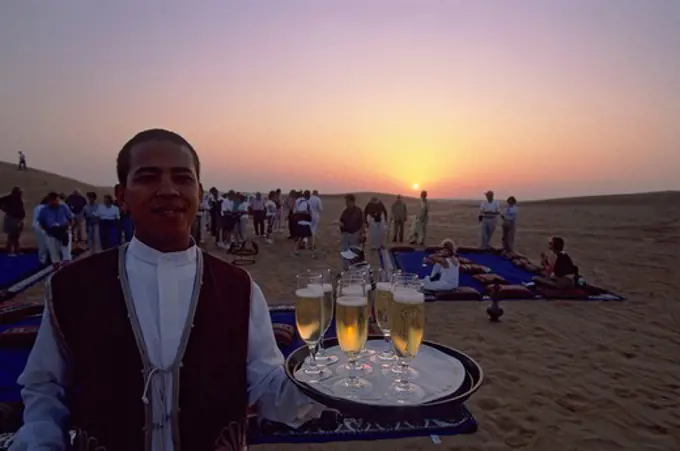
x,y
419,230
489,212
351,224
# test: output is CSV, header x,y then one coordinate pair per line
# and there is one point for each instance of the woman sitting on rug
x,y
446,270
558,268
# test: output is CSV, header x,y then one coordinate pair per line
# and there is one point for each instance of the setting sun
x,y
414,186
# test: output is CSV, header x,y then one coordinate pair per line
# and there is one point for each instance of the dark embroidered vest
x,y
107,372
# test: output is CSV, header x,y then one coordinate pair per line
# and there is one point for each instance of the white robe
x,y
161,285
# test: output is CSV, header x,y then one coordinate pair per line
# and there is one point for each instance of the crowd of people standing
x,y
63,223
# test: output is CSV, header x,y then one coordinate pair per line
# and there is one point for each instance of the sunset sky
x,y
532,98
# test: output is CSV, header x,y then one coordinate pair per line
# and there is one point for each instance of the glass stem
x,y
321,351
403,375
312,358
352,376
388,344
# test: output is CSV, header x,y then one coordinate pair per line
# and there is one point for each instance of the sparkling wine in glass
x,y
309,308
407,326
382,301
351,324
322,356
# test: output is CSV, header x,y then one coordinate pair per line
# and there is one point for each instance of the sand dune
x,y
561,375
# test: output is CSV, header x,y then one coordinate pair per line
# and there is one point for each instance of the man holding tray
x,y
155,345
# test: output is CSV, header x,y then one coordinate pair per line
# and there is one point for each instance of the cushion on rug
x,y
531,267
488,279
474,269
509,292
520,261
18,337
512,255
14,311
471,250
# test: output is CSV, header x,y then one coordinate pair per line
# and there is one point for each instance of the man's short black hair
x,y
92,195
351,197
52,195
154,134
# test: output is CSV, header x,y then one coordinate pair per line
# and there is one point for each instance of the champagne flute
x,y
308,319
381,306
402,279
351,324
407,326
322,356
364,272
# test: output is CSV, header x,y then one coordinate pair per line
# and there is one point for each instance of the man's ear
x,y
201,192
119,192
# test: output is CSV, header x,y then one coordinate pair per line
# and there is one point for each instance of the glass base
x,y
366,353
408,393
396,371
361,369
312,377
385,357
324,360
352,388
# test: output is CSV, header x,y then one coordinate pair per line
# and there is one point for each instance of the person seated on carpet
x,y
124,327
559,270
446,270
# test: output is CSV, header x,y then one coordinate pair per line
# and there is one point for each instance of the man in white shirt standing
x,y
316,208
155,345
489,212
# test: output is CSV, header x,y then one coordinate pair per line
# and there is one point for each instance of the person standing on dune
x,y
509,226
155,345
316,208
13,222
419,231
399,217
489,212
56,220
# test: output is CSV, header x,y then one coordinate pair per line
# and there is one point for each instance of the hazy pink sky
x,y
532,98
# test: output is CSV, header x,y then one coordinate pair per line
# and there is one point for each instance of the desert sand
x,y
560,375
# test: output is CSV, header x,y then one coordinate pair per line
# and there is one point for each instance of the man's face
x,y
54,202
349,203
489,197
162,191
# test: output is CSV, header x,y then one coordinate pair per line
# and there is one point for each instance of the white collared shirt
x,y
161,286
490,209
226,206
